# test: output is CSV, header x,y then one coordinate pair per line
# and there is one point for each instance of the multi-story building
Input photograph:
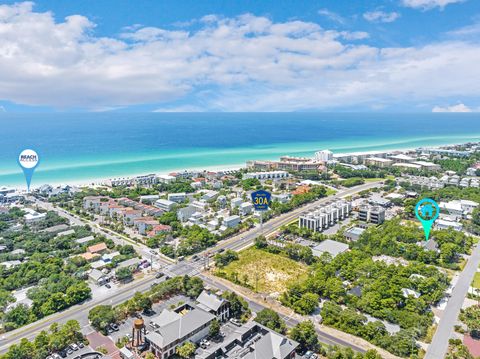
x,y
231,221
164,204
266,175
378,162
173,328
372,214
183,214
215,305
252,341
325,216
444,152
177,197
288,163
323,156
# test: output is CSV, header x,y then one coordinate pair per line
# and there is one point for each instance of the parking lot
x,y
71,353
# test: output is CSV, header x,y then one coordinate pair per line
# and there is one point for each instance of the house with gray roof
x,y
251,341
214,304
329,246
174,328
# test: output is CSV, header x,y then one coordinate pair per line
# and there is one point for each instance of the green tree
x,y
214,328
101,316
306,304
223,259
471,317
186,350
304,333
271,319
124,274
192,286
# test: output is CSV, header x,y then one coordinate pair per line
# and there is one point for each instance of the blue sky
x,y
391,55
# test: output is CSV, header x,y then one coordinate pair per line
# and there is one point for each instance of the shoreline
x,y
99,181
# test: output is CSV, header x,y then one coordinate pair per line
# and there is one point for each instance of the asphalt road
x,y
439,345
289,321
189,266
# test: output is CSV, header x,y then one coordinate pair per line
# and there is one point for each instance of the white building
x,y
325,216
444,224
183,214
323,156
267,175
177,197
32,216
166,179
246,208
164,204
236,202
231,221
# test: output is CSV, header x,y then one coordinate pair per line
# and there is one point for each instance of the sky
x,y
241,56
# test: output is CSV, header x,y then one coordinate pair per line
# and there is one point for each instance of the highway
x,y
189,266
439,345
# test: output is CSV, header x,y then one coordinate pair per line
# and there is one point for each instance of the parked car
x,y
74,346
108,286
115,327
236,322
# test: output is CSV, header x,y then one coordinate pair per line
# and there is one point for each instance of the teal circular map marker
x,y
28,160
427,212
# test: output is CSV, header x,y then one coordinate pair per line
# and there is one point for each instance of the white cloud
x,y
381,16
428,4
332,16
454,108
245,63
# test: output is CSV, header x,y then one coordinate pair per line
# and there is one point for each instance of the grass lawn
x,y
476,281
262,271
330,191
367,180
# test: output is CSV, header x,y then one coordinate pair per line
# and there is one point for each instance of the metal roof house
x,y
214,304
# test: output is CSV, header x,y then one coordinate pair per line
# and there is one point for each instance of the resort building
x,y
288,163
325,216
444,152
266,175
323,156
428,166
378,162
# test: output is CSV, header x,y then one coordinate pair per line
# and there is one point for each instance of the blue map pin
x,y
28,160
427,212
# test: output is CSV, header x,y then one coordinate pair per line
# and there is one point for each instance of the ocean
x,y
80,148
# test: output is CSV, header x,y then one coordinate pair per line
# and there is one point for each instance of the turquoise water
x,y
83,147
